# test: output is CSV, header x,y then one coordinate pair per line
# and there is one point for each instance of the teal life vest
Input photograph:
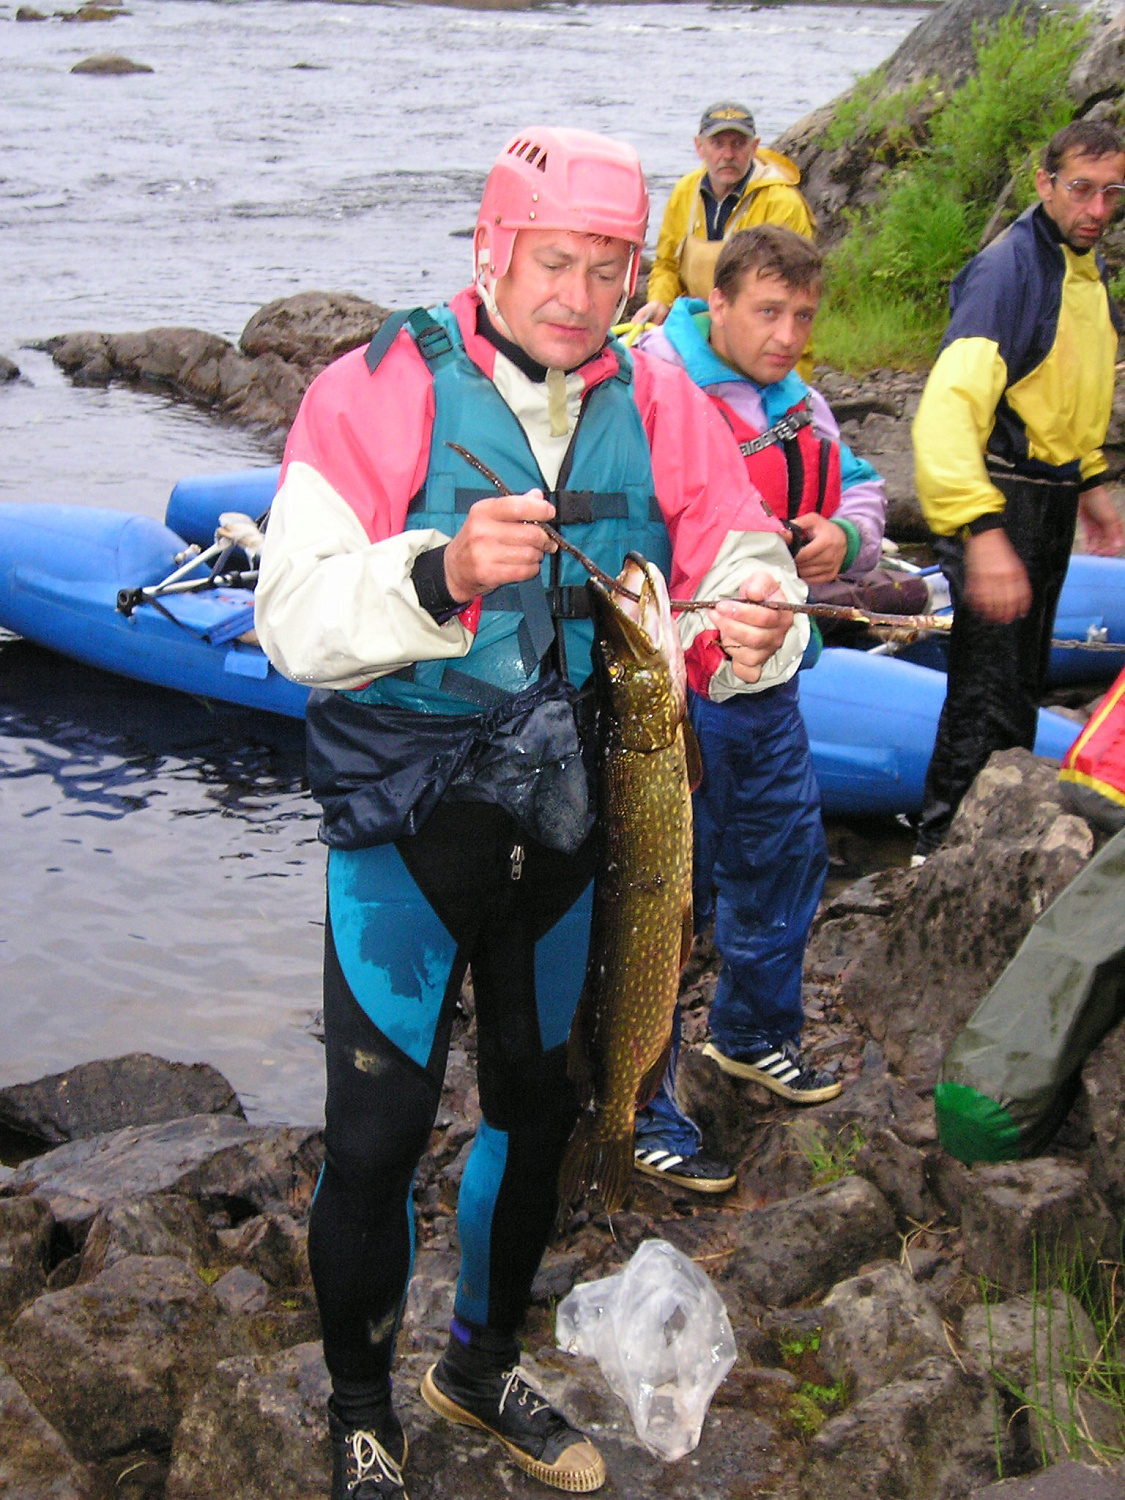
x,y
605,503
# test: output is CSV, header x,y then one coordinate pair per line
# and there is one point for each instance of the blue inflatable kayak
x,y
61,569
871,719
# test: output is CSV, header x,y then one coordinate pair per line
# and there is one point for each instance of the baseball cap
x,y
727,116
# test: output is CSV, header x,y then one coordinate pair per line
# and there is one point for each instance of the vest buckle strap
x,y
782,431
433,342
581,507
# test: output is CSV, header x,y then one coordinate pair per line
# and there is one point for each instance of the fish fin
x,y
646,1089
693,756
598,1162
687,936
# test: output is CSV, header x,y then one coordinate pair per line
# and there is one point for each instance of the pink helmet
x,y
562,179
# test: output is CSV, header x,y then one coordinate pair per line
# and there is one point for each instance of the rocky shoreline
x,y
158,1334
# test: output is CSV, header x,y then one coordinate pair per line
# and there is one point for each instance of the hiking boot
x,y
780,1070
698,1173
538,1438
362,1466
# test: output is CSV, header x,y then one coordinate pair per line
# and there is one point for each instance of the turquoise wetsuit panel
x,y
476,1204
395,954
560,963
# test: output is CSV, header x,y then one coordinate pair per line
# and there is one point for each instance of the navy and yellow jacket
x,y
1024,374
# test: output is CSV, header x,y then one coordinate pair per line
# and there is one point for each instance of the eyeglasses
x,y
1082,190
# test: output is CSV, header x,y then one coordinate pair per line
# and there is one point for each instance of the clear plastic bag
x,y
661,1335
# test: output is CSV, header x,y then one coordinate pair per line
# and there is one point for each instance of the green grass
x,y
888,280
1062,1370
830,1158
898,117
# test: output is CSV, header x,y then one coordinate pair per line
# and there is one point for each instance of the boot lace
x,y
516,1385
371,1461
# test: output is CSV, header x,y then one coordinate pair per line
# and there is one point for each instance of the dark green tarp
x,y
1010,1076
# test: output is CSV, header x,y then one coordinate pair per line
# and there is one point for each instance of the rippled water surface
x,y
162,886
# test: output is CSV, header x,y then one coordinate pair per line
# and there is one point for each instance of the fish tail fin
x,y
594,1160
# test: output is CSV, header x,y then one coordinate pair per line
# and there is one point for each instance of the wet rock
x,y
9,370
163,1224
1100,72
312,328
98,1097
557,1275
35,1463
918,1438
806,1244
912,972
97,13
876,1327
898,1170
241,1292
110,64
1066,1481
282,348
1020,1219
256,1430
233,1169
26,1227
429,1299
112,1363
273,1245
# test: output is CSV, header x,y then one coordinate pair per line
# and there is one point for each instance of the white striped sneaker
x,y
698,1173
780,1070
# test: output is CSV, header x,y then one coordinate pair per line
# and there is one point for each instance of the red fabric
x,y
703,658
769,471
1097,757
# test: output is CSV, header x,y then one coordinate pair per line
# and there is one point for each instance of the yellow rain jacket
x,y
685,258
1024,377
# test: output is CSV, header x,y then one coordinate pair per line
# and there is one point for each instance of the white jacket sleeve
x,y
333,609
741,553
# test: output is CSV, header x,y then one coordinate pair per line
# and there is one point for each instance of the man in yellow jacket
x,y
741,183
1007,447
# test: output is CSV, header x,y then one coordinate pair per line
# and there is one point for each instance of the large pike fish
x,y
642,923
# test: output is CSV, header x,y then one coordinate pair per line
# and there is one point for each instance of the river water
x,y
161,883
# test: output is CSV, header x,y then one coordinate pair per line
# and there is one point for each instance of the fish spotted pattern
x,y
642,920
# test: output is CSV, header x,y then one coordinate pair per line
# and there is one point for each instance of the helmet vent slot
x,y
530,152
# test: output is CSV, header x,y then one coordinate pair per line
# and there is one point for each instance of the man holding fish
x,y
450,641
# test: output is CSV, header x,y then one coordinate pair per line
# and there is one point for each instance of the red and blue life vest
x,y
605,503
794,470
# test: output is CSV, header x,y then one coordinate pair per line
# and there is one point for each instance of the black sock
x,y
367,1405
474,1351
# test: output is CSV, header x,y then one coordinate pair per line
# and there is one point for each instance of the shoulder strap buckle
x,y
432,339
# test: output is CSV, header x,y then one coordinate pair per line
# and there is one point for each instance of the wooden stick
x,y
904,624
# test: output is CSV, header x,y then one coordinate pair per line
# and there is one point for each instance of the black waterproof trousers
x,y
997,673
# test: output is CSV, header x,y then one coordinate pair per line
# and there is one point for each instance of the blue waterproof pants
x,y
404,922
760,861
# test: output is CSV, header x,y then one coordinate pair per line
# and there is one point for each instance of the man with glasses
x,y
1007,445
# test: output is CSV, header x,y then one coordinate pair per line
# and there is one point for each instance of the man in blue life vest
x,y
449,643
1007,446
760,852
